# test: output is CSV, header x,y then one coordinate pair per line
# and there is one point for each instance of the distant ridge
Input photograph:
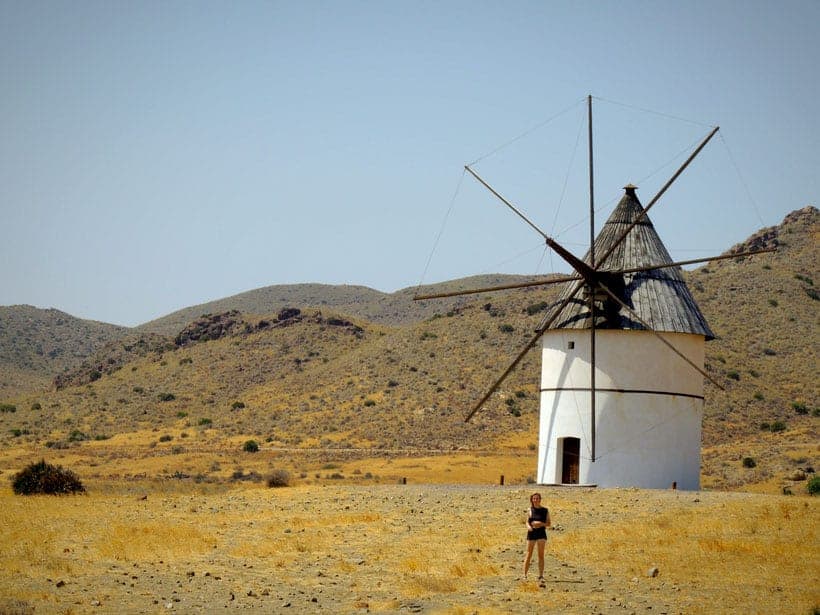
x,y
396,308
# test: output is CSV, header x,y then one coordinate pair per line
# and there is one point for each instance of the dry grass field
x,y
449,541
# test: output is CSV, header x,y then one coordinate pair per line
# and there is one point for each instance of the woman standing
x,y
538,520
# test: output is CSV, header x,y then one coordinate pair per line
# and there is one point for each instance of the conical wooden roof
x,y
659,296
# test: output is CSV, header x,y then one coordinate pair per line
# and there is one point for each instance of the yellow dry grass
x,y
444,549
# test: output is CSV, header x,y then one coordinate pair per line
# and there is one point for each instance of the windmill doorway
x,y
570,455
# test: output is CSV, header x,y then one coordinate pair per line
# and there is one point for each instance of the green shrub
x,y
77,436
166,438
758,396
251,446
8,408
813,486
369,402
205,421
237,405
506,328
748,462
537,307
800,407
42,477
279,478
733,374
777,426
166,397
36,406
773,302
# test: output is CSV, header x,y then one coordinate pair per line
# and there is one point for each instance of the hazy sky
x,y
156,155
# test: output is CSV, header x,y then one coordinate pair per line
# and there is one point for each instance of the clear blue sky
x,y
156,155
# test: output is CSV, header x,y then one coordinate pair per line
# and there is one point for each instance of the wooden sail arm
x,y
506,202
659,194
690,262
584,270
532,342
580,266
634,314
489,289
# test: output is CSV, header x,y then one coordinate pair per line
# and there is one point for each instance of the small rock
x,y
60,583
96,603
652,572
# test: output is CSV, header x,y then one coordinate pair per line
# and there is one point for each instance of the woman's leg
x,y
528,557
541,546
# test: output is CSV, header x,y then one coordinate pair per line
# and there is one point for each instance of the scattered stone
x,y
96,603
60,583
652,572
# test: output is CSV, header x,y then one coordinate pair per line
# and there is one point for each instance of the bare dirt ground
x,y
404,549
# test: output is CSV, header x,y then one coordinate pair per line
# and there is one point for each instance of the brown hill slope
x,y
36,344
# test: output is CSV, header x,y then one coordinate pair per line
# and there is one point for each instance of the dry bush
x,y
42,477
279,478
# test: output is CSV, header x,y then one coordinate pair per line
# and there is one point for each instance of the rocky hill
x,y
396,308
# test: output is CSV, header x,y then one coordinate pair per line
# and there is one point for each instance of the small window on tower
x,y
571,345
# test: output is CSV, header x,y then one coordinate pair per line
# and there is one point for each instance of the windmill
x,y
622,353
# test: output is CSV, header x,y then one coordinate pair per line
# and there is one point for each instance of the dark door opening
x,y
569,461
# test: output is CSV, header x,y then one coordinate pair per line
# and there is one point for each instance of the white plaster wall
x,y
648,432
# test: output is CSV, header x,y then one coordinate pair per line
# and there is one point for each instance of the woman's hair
x,y
532,496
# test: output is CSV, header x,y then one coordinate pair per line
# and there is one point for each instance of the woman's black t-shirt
x,y
538,514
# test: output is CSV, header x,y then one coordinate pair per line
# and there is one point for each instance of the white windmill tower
x,y
622,355
646,428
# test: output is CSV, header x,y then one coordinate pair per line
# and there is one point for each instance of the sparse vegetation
x,y
8,408
749,462
251,446
166,397
813,485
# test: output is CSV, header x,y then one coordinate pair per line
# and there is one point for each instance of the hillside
x,y
36,345
322,380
